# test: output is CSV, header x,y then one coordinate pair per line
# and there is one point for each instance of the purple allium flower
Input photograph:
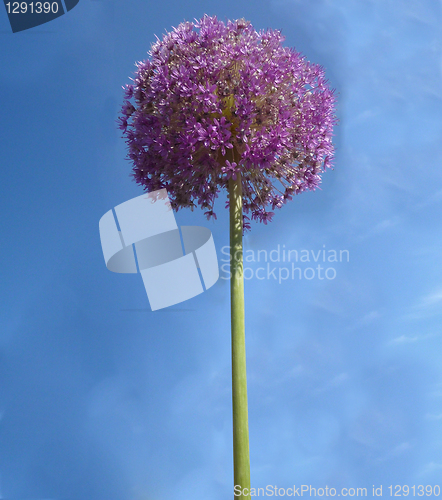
x,y
217,100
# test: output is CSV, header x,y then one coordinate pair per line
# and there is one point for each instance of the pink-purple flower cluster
x,y
214,101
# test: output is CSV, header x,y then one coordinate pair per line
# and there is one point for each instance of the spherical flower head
x,y
214,101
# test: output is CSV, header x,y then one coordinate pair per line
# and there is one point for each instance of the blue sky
x,y
102,399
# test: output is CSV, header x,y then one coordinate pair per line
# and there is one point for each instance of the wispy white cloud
x,y
432,299
432,416
396,451
407,339
363,116
430,468
334,382
432,199
427,306
385,224
370,317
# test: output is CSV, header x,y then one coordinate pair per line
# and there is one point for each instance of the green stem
x,y
241,461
